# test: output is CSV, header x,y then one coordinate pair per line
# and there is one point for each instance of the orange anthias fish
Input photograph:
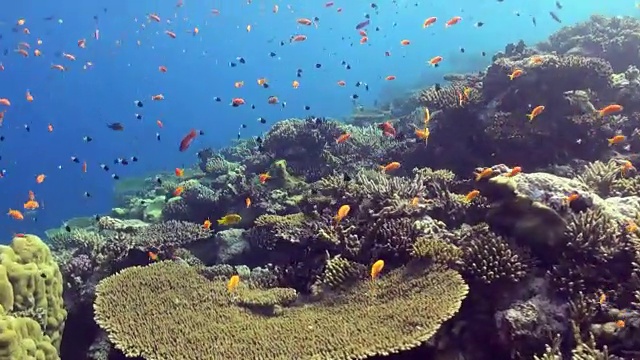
x,y
625,167
342,213
207,224
422,134
178,191
535,112
454,20
390,166
16,214
515,171
376,269
429,21
486,172
264,178
179,172
152,256
471,195
31,205
516,74
610,109
247,202
233,283
616,140
387,129
342,138
573,196
40,178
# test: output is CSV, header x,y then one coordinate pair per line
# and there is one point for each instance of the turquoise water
x,y
79,102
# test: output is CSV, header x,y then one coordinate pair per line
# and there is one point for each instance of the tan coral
x,y
167,311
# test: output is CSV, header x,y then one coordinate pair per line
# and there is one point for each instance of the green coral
x,y
21,338
270,230
436,250
397,312
339,273
31,282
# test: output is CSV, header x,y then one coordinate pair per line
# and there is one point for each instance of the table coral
x,y
405,312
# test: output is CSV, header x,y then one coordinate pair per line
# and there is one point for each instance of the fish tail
x,y
381,169
221,222
530,116
510,77
610,141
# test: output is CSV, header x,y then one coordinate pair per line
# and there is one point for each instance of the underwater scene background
x,y
320,180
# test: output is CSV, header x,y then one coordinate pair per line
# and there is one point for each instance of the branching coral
x,y
600,176
339,273
271,230
488,258
612,38
597,255
196,311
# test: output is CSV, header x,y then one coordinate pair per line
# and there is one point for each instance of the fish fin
x,y
221,221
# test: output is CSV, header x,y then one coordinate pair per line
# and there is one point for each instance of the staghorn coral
x,y
488,258
597,254
171,233
446,98
196,311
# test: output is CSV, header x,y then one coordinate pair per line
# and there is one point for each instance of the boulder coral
x,y
30,283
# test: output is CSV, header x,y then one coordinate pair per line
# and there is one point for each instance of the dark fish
x,y
362,24
116,126
558,5
67,228
555,17
48,18
534,21
346,177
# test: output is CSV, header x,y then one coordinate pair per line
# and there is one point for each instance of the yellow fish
x,y
230,219
233,283
376,268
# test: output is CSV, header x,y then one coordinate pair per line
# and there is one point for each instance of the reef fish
x,y
187,140
376,268
362,25
610,109
233,283
535,112
390,166
342,213
229,219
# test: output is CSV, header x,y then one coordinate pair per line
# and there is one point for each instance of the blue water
x,y
80,102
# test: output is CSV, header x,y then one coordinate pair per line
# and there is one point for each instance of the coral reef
x,y
346,325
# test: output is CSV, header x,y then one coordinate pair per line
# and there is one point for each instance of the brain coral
x,y
168,311
30,282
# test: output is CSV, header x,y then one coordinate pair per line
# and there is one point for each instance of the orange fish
x,y
171,34
238,84
157,97
207,224
364,40
535,112
162,69
536,59
31,205
573,196
28,96
631,227
179,172
58,67
152,256
415,201
471,195
50,128
342,213
626,166
69,56
82,43
264,178
390,77
154,17
247,202
342,138
341,83
390,166
233,283
515,171
454,20
295,84
422,134
376,269
405,42
160,124
610,109
616,139
22,52
17,215
37,52
435,61
84,166
5,102
486,172
515,74
429,21
235,102
262,82
273,100
178,191
40,178
298,38
620,323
